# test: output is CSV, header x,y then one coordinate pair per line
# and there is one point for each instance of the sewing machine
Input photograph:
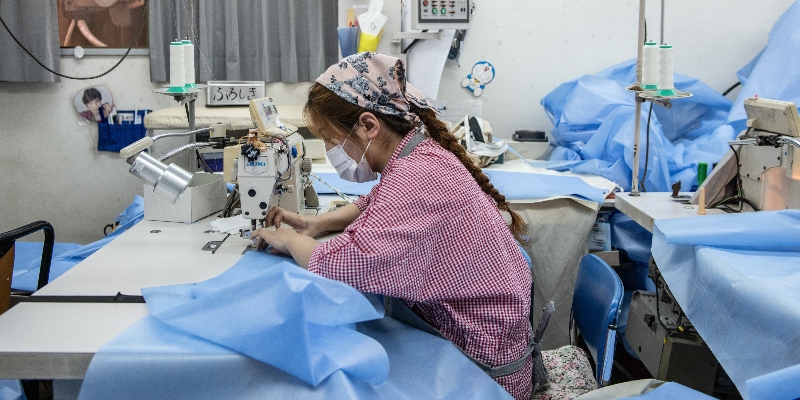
x,y
765,156
272,168
758,171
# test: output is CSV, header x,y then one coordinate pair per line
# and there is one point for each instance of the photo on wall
x,y
94,103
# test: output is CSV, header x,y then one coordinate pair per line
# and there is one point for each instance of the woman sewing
x,y
430,236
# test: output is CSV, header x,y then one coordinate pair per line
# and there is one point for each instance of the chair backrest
x,y
595,307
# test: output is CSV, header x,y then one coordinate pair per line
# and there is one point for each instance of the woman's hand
x,y
279,239
304,225
286,241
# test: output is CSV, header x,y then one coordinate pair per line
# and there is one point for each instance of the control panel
x,y
443,11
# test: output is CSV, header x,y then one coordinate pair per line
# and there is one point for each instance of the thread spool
x,y
666,78
702,172
650,65
188,63
177,72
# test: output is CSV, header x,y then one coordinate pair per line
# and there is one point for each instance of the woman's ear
x,y
371,124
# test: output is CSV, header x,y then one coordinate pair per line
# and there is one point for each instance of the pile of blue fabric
x,y
594,116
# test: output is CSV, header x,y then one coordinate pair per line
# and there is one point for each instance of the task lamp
x,y
168,181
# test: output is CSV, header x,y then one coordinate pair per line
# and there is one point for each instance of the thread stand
x,y
645,95
186,98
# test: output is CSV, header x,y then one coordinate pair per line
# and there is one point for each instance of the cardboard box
x,y
205,195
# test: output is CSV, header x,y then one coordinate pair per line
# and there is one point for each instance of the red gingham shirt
x,y
429,235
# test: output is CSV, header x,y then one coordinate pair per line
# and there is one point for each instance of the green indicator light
x,y
434,10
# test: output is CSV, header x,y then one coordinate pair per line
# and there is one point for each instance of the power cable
x,y
646,149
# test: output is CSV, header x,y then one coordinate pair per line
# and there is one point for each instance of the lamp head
x,y
168,181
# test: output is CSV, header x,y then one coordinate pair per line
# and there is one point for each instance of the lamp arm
x,y
183,148
209,129
144,143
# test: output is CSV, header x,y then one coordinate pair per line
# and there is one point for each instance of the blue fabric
x,y
269,308
736,278
11,390
594,115
513,185
779,385
26,270
631,238
525,186
771,74
672,391
306,319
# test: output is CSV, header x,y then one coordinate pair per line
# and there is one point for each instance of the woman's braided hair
x,y
325,110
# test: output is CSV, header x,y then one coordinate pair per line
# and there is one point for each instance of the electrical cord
x,y
739,196
658,312
232,202
730,89
646,149
202,161
133,41
413,43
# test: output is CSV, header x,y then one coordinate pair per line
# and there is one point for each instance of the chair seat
x,y
570,374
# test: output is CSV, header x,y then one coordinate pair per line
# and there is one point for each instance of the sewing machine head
x,y
762,158
272,168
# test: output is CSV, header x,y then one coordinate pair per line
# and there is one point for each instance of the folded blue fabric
x,y
526,186
736,278
268,308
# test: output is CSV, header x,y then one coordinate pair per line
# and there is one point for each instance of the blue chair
x,y
595,309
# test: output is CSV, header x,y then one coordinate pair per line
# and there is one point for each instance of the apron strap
x,y
412,143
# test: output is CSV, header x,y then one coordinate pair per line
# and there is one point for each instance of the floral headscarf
x,y
376,82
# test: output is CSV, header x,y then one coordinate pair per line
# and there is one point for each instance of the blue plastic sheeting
x,y
262,304
594,122
593,115
672,391
65,256
306,319
736,278
11,390
513,185
779,385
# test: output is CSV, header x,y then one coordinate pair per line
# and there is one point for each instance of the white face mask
x,y
347,168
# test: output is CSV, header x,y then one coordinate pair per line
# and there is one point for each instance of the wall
x,y
51,170
537,45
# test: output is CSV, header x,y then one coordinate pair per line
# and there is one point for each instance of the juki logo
x,y
256,164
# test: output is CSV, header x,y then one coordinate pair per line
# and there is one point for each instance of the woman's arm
x,y
337,220
314,226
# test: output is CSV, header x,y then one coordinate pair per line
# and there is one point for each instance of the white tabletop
x,y
648,207
151,253
58,340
